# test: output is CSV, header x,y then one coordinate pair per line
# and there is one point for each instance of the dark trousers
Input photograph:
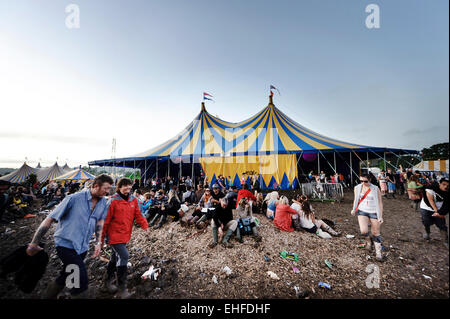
x,y
70,257
428,220
119,256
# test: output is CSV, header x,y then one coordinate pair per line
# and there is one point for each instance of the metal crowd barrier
x,y
327,191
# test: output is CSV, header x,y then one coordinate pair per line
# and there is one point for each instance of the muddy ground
x,y
188,265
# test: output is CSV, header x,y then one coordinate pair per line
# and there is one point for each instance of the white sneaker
x,y
323,234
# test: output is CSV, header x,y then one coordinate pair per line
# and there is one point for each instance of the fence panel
x,y
331,191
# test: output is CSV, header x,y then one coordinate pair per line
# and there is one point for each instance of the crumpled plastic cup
x,y
152,273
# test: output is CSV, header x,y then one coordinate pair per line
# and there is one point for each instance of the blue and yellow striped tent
x,y
268,143
19,176
49,173
77,174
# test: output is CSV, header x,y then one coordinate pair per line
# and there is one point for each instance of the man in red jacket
x,y
244,192
122,212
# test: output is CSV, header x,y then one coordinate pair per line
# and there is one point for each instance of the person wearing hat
x,y
216,195
232,196
160,203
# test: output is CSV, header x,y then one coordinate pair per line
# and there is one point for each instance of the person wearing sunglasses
x,y
368,206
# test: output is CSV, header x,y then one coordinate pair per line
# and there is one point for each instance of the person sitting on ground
x,y
223,217
283,219
202,207
148,203
244,192
244,211
56,198
258,205
414,191
189,196
306,219
232,196
5,199
199,192
171,209
161,202
434,208
272,202
216,195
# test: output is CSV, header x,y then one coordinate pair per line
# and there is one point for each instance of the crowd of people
x,y
110,213
19,201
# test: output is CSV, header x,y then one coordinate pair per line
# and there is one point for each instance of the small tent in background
x,y
66,168
50,173
432,166
77,174
38,165
20,175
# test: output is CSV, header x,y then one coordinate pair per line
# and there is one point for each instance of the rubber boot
x,y
225,239
161,221
444,235
378,255
238,235
426,235
200,221
215,238
194,220
122,281
369,243
255,234
153,221
109,278
53,290
330,230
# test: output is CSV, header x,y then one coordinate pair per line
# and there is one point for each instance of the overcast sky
x,y
136,71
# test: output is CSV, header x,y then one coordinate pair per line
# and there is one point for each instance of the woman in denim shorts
x,y
368,206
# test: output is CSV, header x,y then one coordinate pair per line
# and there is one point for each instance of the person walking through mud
x,y
368,206
79,216
122,212
434,208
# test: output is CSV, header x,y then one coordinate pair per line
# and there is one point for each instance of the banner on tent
x,y
274,168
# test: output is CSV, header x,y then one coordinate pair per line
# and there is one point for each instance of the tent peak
x,y
270,100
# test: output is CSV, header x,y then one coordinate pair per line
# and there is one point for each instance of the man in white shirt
x,y
434,208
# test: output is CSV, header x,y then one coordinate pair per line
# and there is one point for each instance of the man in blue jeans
x,y
79,216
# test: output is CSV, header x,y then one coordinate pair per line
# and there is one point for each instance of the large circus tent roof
x,y
270,131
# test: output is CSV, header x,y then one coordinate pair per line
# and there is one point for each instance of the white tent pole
x,y
367,156
351,169
327,161
404,159
318,164
383,159
334,159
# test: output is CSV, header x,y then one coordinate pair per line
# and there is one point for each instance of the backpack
x,y
245,226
